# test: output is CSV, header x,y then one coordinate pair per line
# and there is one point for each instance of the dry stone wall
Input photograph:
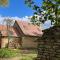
x,y
49,44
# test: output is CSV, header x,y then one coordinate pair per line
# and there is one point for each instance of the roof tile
x,y
29,29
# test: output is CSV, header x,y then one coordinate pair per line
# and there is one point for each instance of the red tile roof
x,y
29,29
3,30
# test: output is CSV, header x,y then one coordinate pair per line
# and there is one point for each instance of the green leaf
x,y
35,7
35,13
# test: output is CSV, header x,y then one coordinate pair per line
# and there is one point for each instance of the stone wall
x,y
15,43
4,42
49,44
29,42
22,42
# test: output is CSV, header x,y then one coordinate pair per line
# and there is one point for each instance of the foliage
x,y
35,20
7,53
50,10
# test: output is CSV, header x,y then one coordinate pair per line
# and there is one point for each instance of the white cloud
x,y
47,24
26,18
1,19
15,18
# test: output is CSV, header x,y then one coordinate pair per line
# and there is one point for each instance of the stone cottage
x,y
22,35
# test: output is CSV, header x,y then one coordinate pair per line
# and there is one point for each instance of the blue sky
x,y
18,8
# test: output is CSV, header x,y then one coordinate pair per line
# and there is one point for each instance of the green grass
x,y
21,54
7,53
28,56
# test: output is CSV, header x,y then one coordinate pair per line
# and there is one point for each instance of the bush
x,y
6,53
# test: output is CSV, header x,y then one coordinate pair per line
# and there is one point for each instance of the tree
x,y
50,10
35,20
9,23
